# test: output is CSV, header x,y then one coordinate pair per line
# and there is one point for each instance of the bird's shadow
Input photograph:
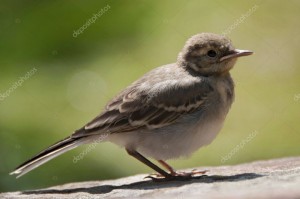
x,y
149,184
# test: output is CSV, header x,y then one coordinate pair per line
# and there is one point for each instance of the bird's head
x,y
209,54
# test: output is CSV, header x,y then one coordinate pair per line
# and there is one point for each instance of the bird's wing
x,y
151,106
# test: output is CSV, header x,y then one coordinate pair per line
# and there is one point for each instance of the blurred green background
x,y
76,76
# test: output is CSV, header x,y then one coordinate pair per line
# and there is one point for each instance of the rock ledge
x,y
279,178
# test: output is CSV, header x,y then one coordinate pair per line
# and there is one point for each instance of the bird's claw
x,y
175,176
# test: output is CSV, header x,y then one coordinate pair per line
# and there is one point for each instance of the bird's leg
x,y
168,167
163,175
184,174
144,160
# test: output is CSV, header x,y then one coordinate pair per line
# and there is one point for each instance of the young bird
x,y
169,112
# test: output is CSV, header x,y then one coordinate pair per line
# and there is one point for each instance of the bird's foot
x,y
174,176
197,172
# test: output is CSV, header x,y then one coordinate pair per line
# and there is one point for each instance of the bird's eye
x,y
212,53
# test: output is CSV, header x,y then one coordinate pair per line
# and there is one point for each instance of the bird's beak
x,y
236,53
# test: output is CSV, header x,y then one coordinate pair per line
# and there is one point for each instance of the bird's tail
x,y
48,154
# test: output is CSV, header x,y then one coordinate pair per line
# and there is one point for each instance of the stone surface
x,y
279,178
